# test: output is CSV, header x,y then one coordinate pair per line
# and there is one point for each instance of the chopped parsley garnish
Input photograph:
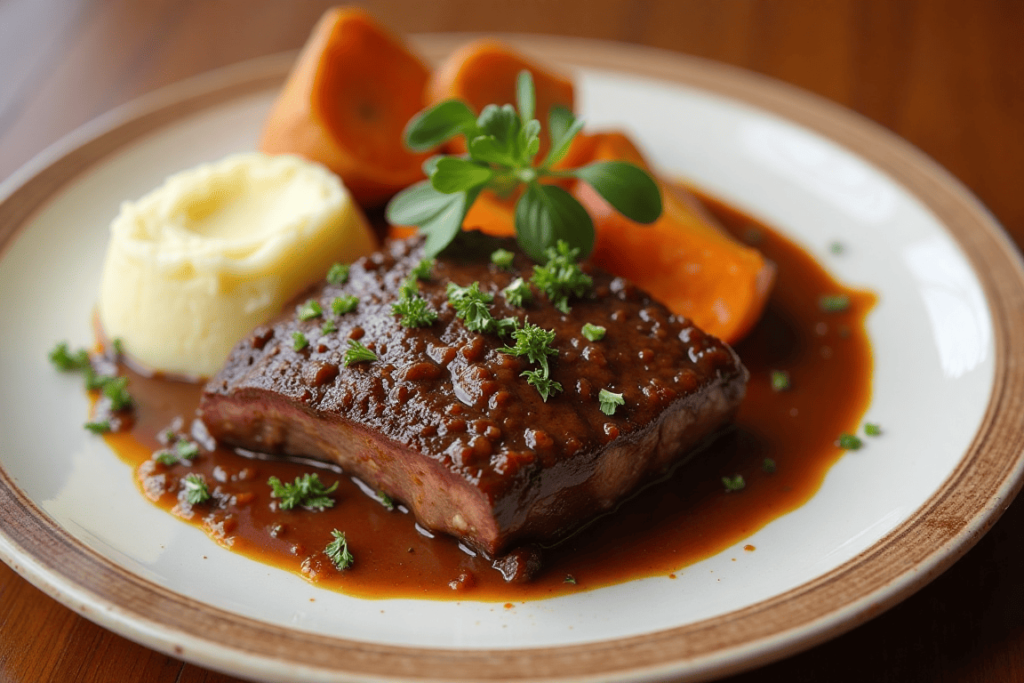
x,y
357,353
337,551
328,327
502,258
610,401
834,303
165,457
309,310
872,429
837,248
768,465
299,341
306,491
186,450
780,380
338,273
98,426
386,501
93,380
569,578
539,380
472,306
413,308
118,347
593,332
561,277
196,489
734,483
850,442
518,293
422,269
344,304
534,342
115,389
67,361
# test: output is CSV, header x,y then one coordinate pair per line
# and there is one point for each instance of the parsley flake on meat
x,y
539,380
66,361
502,258
337,551
734,483
328,327
338,273
872,429
561,276
358,353
780,380
98,426
518,293
186,450
413,308
196,489
309,310
534,342
610,401
422,269
834,303
306,491
341,305
593,332
299,341
848,441
115,389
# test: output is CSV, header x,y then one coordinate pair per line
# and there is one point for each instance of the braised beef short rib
x,y
443,420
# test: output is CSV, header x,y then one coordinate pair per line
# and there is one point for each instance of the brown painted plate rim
x,y
960,511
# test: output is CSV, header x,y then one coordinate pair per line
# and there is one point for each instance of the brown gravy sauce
x,y
685,518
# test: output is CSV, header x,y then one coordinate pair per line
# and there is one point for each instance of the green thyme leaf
x,y
627,187
734,483
338,273
309,310
453,174
849,442
299,341
594,333
502,258
780,380
518,293
437,125
196,489
306,491
337,551
546,215
346,303
609,401
834,303
357,353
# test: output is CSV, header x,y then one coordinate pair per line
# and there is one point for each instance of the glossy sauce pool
x,y
782,444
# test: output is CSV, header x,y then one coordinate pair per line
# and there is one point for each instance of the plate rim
x,y
993,465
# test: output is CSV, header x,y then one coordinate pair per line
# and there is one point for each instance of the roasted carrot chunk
x,y
346,102
683,259
484,72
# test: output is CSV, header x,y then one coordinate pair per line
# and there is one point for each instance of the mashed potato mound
x,y
197,263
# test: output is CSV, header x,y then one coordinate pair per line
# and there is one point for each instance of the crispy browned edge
x,y
936,535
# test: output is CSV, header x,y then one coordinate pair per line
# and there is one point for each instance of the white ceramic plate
x,y
885,521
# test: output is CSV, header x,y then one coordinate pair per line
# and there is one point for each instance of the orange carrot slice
x,y
683,259
485,71
346,102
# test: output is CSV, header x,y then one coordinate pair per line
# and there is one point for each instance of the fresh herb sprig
x,y
503,144
337,551
306,491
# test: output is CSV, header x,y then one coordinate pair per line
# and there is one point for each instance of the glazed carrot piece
x,y
484,72
683,259
346,102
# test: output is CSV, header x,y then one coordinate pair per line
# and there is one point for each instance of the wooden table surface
x,y
947,75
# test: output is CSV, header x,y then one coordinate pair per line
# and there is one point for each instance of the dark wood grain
x,y
947,76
